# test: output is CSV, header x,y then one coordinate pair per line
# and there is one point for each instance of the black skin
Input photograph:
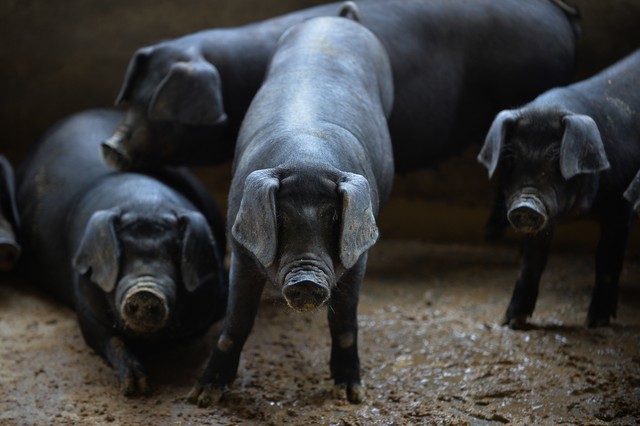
x,y
84,221
456,64
313,165
576,171
9,218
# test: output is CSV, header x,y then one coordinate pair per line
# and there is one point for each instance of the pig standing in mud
x,y
9,218
570,153
456,63
134,255
313,165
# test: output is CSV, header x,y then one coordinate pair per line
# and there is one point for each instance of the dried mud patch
x,y
431,346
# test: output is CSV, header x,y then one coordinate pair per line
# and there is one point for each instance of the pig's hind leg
x,y
614,231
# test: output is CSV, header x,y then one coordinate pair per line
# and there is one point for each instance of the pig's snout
x,y
115,154
144,307
305,290
527,214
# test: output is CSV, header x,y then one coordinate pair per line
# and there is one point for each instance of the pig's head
x,y
306,227
549,163
147,263
9,218
174,95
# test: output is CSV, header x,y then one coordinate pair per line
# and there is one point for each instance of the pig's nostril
x,y
131,308
305,295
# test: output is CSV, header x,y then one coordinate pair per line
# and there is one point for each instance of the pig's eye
x,y
508,155
552,153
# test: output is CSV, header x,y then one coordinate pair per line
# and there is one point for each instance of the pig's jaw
x,y
527,212
305,285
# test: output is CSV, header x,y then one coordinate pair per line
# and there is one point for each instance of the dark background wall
x,y
61,56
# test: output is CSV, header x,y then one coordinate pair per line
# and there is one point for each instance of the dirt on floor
x,y
431,346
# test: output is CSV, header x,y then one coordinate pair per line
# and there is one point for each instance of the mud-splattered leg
x,y
523,300
343,324
245,288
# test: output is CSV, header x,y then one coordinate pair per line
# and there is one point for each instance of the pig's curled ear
x,y
7,193
190,94
632,194
581,149
199,260
99,251
256,227
134,70
489,155
349,10
358,229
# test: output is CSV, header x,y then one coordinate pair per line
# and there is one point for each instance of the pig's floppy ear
x,y
7,193
581,149
489,155
256,226
632,194
190,94
99,251
134,70
199,260
358,228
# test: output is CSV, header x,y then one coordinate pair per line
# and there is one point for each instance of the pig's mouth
x,y
305,288
144,307
527,213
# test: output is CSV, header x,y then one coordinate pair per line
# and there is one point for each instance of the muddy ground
x,y
431,346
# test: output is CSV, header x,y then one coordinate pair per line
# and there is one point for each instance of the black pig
x,y
313,164
456,63
570,153
134,255
9,218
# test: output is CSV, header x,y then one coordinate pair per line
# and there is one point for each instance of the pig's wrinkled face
x,y
535,190
146,259
306,226
308,235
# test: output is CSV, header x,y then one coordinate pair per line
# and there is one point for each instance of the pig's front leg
x,y
497,222
614,231
525,293
112,347
245,288
342,313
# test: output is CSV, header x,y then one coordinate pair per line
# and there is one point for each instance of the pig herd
x,y
317,110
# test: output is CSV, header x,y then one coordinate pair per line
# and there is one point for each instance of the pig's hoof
x,y
518,322
133,385
205,396
600,321
354,393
